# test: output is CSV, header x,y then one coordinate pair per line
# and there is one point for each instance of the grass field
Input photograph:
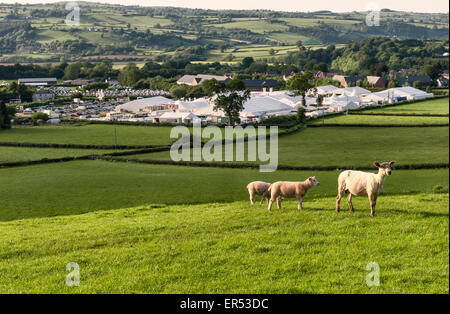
x,y
143,228
362,119
233,248
83,186
89,135
434,106
355,146
11,154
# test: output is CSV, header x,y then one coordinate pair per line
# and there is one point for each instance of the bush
x,y
39,117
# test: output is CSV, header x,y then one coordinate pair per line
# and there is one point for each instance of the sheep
x,y
258,188
363,183
281,189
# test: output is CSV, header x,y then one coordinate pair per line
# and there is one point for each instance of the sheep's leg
x,y
341,190
279,202
252,197
349,201
264,196
300,203
272,199
373,203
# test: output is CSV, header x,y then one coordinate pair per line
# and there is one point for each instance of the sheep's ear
x,y
376,164
392,162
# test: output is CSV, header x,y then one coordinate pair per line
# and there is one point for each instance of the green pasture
x,y
90,134
433,106
353,146
366,119
13,154
78,187
233,248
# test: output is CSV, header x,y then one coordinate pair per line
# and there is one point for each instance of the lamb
x,y
363,183
281,189
258,188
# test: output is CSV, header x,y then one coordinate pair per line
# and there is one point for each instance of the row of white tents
x,y
266,104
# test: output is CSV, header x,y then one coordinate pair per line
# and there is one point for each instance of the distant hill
x,y
38,32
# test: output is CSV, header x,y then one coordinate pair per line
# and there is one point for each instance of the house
x,y
78,82
113,82
288,75
43,95
38,81
198,79
376,82
442,81
260,84
424,80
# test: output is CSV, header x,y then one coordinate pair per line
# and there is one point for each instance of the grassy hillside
x,y
145,228
84,186
109,29
233,248
433,106
355,146
361,119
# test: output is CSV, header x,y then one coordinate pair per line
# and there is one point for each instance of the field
x,y
89,135
99,185
8,154
402,120
147,228
434,106
233,248
312,146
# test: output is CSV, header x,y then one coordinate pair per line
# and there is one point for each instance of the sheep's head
x,y
385,167
313,181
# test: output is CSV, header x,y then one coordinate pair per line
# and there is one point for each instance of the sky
x,y
428,6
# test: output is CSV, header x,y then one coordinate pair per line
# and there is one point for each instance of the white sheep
x,y
363,183
258,188
281,189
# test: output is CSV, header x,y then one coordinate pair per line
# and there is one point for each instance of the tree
x,y
432,70
300,84
246,62
39,117
130,75
319,100
301,118
381,69
178,91
231,102
5,121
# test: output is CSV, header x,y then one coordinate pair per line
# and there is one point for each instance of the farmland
x,y
233,248
434,106
147,228
400,120
106,30
308,147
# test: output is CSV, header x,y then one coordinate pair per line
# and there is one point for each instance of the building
x,y
78,82
43,81
198,79
43,95
376,82
148,104
423,80
442,81
261,84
